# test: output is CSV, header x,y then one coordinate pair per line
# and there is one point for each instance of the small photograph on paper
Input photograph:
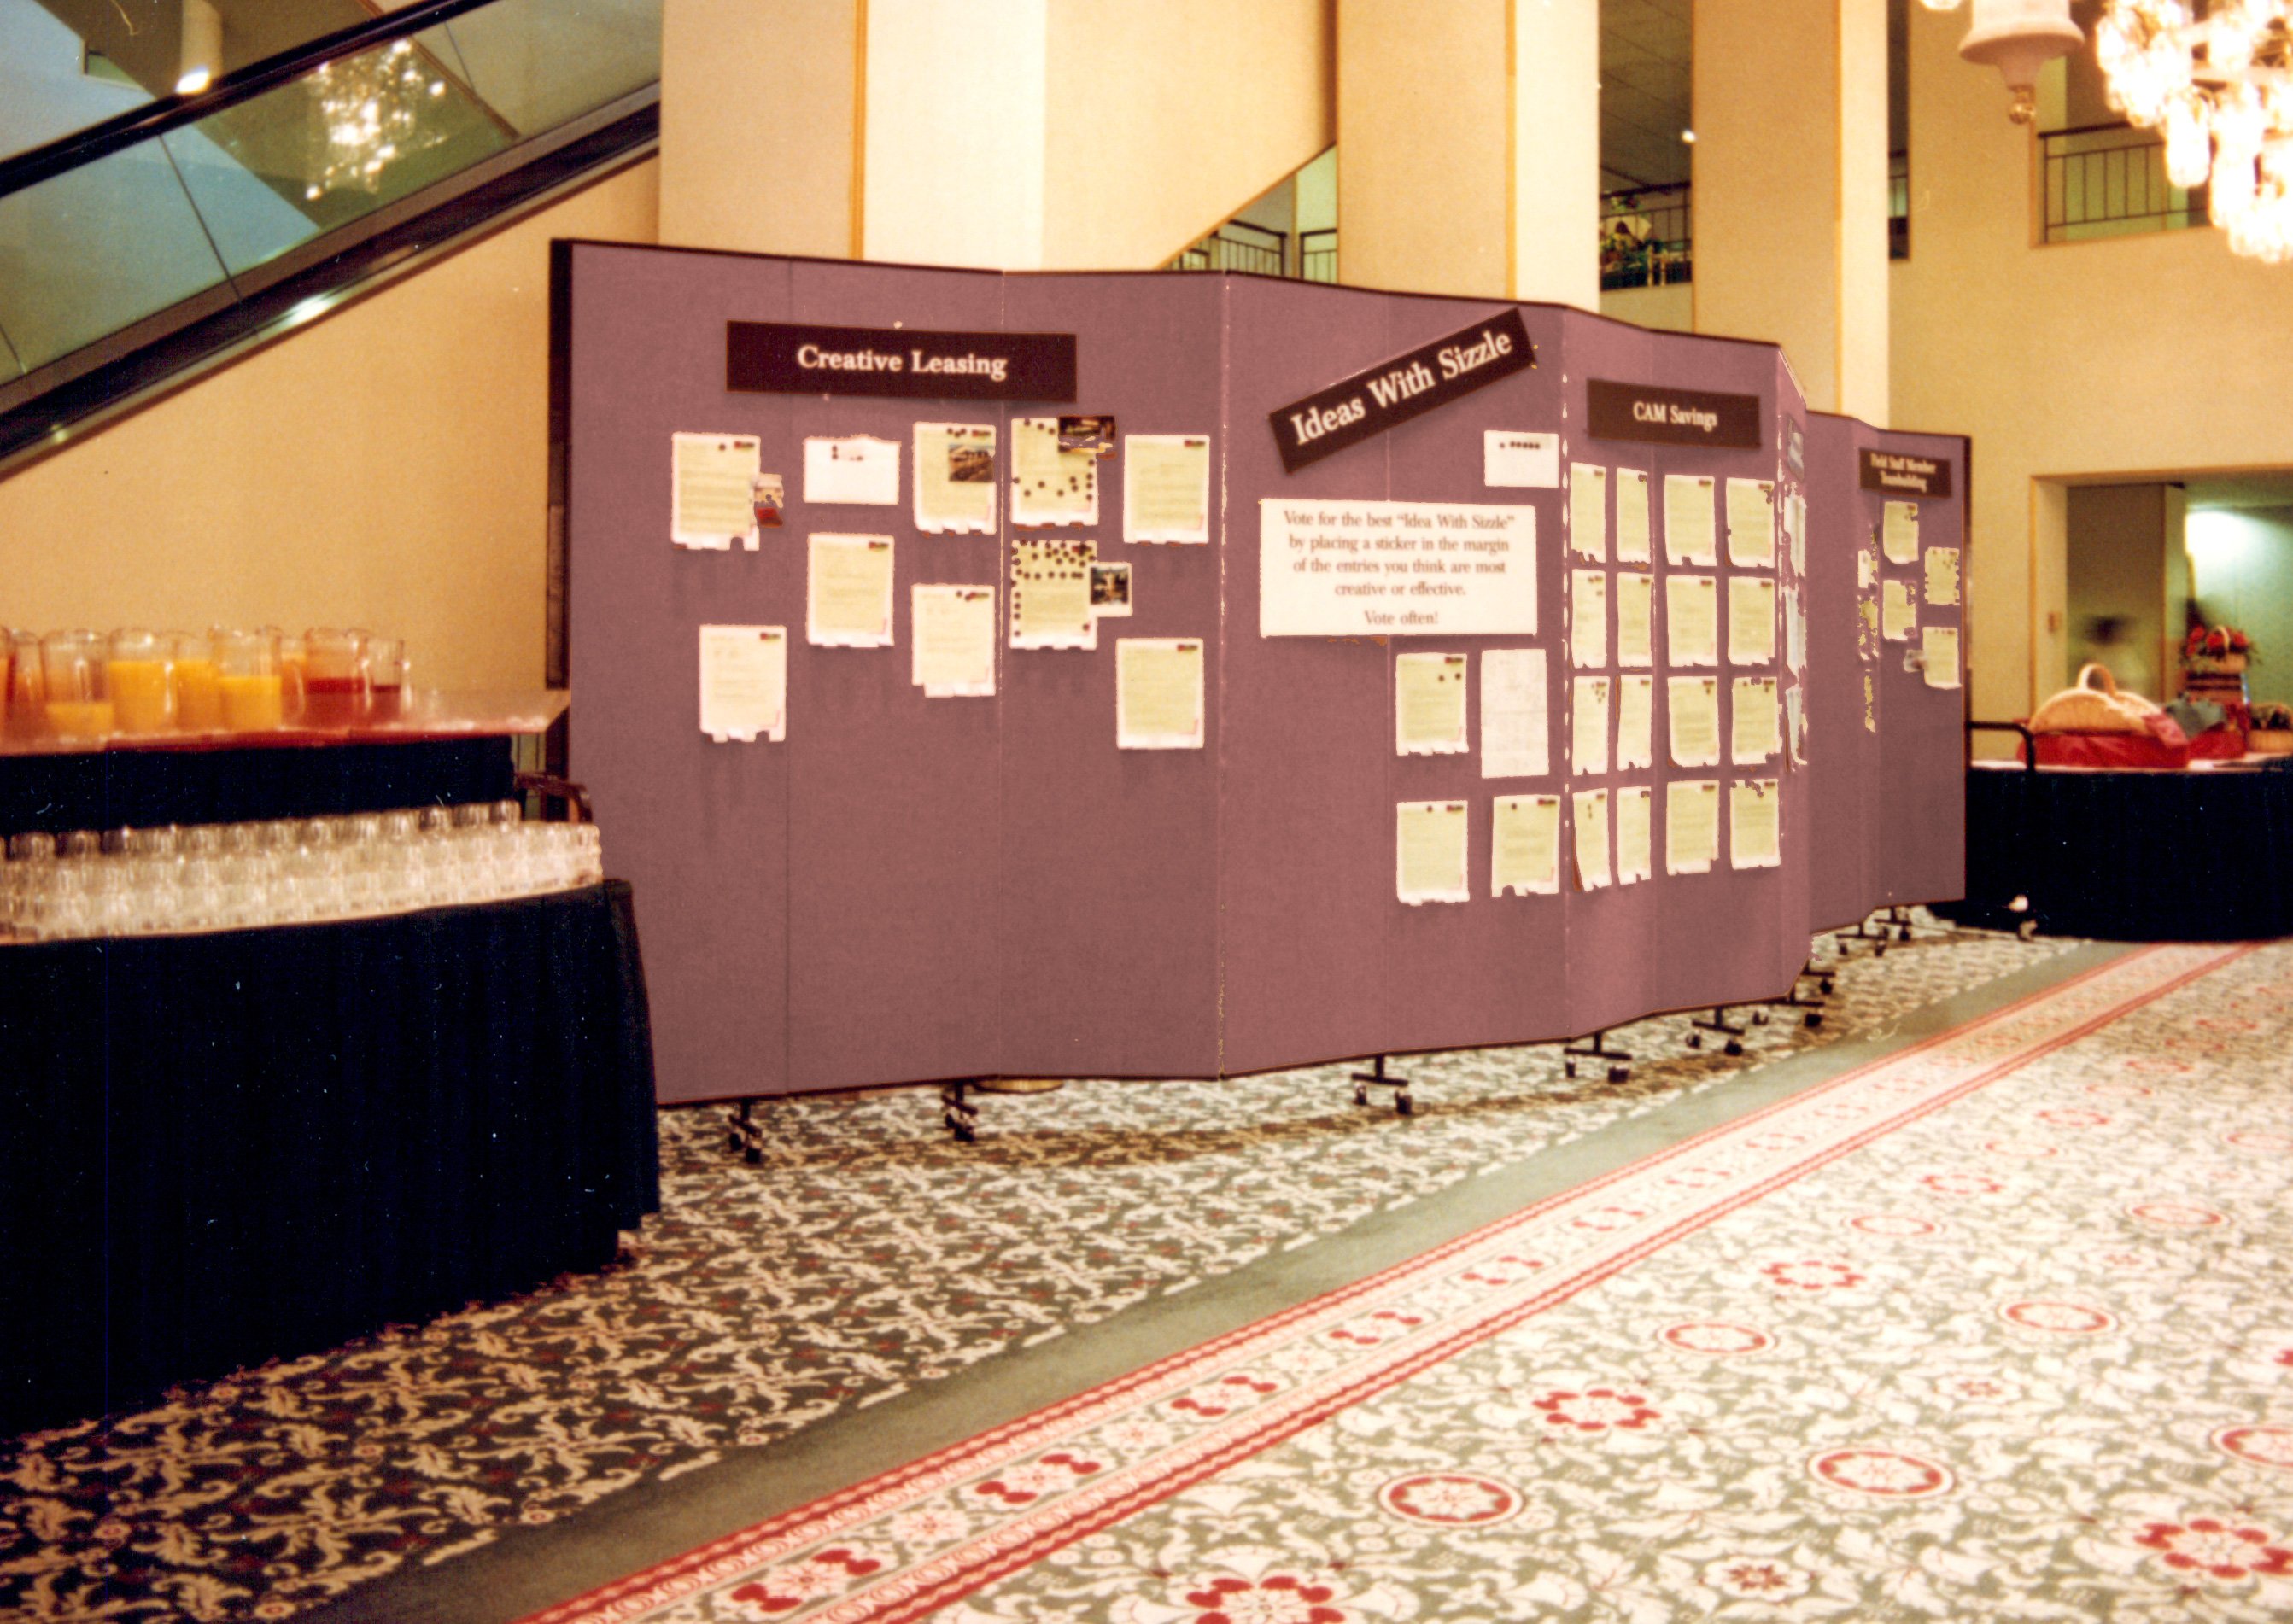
x,y
1588,727
744,682
859,469
1588,510
1938,654
1692,714
711,479
1688,533
1635,619
1050,485
1590,825
1516,459
848,592
1635,817
1631,516
1429,705
1513,727
1525,846
1754,836
1094,434
1752,525
1051,594
1635,723
952,640
1691,619
767,501
1430,845
1158,693
1110,591
1897,616
955,479
1899,532
1754,726
1692,826
1588,618
1943,577
1751,620
1166,487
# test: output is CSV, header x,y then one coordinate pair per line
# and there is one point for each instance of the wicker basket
x,y
2270,741
2083,708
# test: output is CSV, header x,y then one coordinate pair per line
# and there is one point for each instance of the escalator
x,y
181,180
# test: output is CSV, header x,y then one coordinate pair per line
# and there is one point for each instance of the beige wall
x,y
385,467
2117,550
1671,308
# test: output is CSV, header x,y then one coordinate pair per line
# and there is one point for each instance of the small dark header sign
x,y
775,358
1407,387
1673,417
1899,474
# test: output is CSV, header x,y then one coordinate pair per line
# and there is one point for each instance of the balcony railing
x,y
1238,245
1647,238
2110,180
1317,255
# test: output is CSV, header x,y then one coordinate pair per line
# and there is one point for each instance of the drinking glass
x,y
336,677
72,668
27,695
199,693
141,674
260,693
392,674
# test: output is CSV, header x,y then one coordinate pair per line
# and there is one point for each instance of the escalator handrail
x,y
169,113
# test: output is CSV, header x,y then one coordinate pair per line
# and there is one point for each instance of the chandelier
x,y
370,108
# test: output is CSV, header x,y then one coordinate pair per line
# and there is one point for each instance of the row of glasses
x,y
86,686
166,879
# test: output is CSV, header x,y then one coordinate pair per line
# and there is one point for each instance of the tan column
x,y
1790,194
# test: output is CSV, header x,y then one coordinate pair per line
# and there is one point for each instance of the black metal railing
x,y
1318,254
2110,180
1237,246
1646,237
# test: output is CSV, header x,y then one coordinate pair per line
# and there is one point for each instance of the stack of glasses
x,y
134,882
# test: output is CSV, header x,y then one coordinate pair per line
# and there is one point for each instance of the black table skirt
x,y
221,1149
2198,856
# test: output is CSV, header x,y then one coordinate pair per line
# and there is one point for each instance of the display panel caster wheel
x,y
1404,1105
1568,1068
1759,1017
1361,1095
1696,1040
1620,1074
1826,985
1732,1048
965,1134
1814,1018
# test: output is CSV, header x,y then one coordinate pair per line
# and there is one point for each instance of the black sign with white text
x,y
1901,475
1371,403
1672,417
776,358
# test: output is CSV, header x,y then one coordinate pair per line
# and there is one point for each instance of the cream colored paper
x,y
1751,620
1635,619
1635,812
1795,630
711,485
1166,487
1631,516
1691,619
1943,577
744,682
1588,727
1870,704
1796,727
1752,525
1688,520
1158,693
1796,524
1516,459
1866,569
1753,721
952,640
1513,727
1692,826
1050,595
1899,533
859,469
946,503
1335,567
1898,614
1635,723
1588,618
1692,718
1755,838
1588,510
1428,704
1939,655
1525,846
1429,842
848,592
1050,485
1590,825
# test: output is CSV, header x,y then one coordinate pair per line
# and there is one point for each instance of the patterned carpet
x,y
871,1256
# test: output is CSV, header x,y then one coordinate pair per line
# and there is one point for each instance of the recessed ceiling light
x,y
1689,136
193,83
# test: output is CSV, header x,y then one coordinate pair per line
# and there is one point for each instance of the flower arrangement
x,y
2217,648
2272,719
1624,243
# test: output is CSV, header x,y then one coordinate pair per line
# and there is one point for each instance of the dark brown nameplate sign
x,y
776,358
1899,474
1409,385
1672,417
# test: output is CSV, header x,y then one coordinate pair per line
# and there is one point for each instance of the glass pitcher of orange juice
x,y
198,695
260,692
140,675
72,668
27,688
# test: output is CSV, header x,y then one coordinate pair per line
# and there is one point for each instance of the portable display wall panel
x,y
910,888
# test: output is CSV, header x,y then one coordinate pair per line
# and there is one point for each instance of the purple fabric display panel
x,y
910,888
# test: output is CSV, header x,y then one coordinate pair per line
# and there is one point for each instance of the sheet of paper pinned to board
x,y
1430,845
1688,504
1796,727
1588,618
1897,614
1866,569
952,640
1589,833
1795,525
1691,619
955,479
1050,595
1795,630
1943,577
1588,726
1525,846
1635,594
1751,620
1692,826
1870,704
1513,728
1428,704
856,468
1166,487
1631,516
1635,815
1050,485
1588,510
1158,693
848,592
744,682
1899,532
1939,655
1516,459
1692,718
1752,525
1755,832
1754,726
712,479
1635,723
